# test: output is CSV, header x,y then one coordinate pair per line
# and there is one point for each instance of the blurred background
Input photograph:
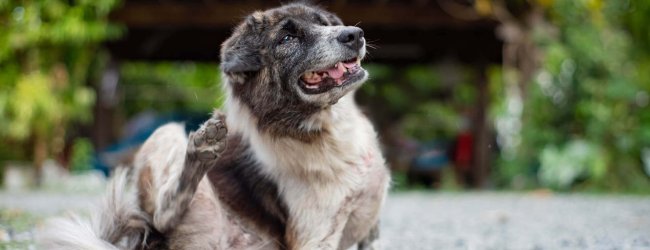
x,y
526,95
518,94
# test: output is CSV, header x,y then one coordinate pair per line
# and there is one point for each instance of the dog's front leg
x,y
371,241
169,173
203,149
318,219
318,235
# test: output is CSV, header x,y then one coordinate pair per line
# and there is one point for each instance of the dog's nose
x,y
351,37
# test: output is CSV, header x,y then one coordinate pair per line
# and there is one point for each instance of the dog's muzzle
x,y
351,37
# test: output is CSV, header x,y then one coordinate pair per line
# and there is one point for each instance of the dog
x,y
292,163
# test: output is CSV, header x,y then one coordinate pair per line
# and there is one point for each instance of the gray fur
x,y
255,61
118,223
302,167
203,149
370,241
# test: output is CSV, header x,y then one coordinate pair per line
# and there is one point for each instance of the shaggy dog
x,y
292,164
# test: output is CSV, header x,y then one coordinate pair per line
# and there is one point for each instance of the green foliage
x,y
170,86
48,49
424,79
425,104
586,113
432,120
636,21
560,168
82,155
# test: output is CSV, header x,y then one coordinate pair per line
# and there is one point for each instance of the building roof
x,y
403,31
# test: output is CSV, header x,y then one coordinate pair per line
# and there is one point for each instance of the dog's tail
x,y
118,223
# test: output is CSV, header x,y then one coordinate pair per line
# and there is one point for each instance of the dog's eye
x,y
287,38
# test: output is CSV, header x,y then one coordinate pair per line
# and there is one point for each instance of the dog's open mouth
x,y
335,76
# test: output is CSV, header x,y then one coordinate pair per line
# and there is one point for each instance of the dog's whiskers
x,y
372,46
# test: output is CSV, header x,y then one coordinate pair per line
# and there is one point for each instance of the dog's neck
x,y
344,138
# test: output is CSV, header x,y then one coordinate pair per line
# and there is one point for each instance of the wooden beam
x,y
213,15
393,45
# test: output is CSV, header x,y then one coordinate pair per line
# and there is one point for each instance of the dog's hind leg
x,y
170,167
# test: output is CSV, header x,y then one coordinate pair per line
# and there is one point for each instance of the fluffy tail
x,y
118,224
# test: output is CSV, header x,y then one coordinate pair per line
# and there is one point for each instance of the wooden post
x,y
103,131
482,142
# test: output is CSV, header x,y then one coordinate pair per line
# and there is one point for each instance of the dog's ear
x,y
239,53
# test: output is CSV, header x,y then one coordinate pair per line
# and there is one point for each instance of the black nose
x,y
351,37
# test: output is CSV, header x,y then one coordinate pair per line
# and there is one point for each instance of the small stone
x,y
4,235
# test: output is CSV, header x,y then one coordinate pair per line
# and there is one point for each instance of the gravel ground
x,y
515,221
414,220
48,204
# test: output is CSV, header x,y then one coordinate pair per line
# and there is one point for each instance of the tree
x,y
584,114
48,49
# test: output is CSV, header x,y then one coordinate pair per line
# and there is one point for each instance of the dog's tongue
x,y
337,71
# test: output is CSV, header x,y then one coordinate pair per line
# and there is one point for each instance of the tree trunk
x,y
40,154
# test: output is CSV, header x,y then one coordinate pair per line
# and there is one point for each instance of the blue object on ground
x,y
143,125
431,156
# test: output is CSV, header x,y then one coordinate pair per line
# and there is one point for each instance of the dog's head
x,y
289,62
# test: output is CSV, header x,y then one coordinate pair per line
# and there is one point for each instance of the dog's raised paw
x,y
209,141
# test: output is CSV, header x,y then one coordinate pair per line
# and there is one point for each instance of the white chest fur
x,y
347,149
319,181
